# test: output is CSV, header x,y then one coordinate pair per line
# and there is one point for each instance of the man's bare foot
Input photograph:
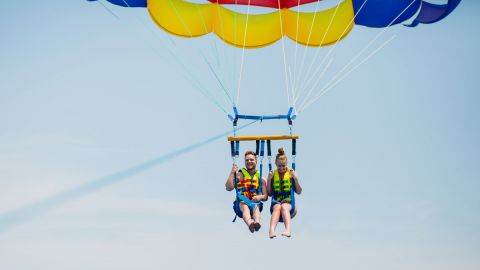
x,y
257,226
251,226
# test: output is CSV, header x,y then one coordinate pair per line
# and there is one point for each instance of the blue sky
x,y
388,157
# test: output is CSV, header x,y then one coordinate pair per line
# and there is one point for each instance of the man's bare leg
x,y
256,218
246,216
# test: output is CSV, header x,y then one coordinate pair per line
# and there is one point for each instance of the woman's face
x,y
281,165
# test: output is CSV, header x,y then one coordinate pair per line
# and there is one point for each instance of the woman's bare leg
x,y
285,210
274,220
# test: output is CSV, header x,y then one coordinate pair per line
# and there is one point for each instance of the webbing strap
x,y
262,154
269,155
232,149
237,148
293,194
294,152
234,153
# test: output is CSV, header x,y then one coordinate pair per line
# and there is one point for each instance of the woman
x,y
279,187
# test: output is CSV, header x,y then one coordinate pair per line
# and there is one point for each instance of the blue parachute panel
x,y
127,3
432,13
382,13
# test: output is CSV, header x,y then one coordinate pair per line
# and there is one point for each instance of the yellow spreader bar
x,y
263,138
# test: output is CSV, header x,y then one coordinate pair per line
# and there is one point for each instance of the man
x,y
251,191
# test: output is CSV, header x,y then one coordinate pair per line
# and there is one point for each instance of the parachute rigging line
x,y
295,54
243,53
220,81
326,89
284,55
304,52
331,50
203,90
108,9
366,47
323,39
191,35
309,78
35,209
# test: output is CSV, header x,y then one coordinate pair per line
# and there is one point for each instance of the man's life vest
x,y
282,188
249,187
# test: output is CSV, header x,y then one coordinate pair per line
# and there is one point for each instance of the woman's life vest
x,y
282,188
249,186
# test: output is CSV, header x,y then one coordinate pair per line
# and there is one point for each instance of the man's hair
x,y
250,152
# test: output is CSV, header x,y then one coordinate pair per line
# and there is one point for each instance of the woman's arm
x,y
298,188
269,186
264,190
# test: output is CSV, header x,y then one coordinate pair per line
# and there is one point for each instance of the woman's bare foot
x,y
272,235
286,234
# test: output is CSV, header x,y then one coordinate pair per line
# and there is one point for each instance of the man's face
x,y
250,162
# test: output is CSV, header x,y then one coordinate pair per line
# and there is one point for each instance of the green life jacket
x,y
282,188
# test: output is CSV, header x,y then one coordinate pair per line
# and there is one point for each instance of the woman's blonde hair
x,y
281,155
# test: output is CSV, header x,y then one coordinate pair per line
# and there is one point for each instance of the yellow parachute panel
x,y
320,34
187,19
252,31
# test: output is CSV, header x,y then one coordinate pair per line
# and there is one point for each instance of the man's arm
x,y
230,185
264,195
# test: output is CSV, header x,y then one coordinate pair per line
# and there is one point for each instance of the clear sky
x,y
388,158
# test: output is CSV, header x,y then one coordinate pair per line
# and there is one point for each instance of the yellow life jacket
x,y
282,188
248,186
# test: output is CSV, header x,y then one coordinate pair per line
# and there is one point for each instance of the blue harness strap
x,y
234,147
269,155
294,154
251,205
262,154
234,118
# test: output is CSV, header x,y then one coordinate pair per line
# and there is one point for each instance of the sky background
x,y
388,158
